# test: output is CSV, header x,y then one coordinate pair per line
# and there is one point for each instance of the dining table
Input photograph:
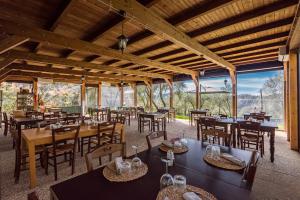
x,y
153,116
248,115
196,112
223,184
43,136
265,126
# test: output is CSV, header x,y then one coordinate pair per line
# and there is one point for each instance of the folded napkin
x,y
191,196
118,162
167,143
233,159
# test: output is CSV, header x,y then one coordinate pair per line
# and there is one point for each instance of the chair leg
x,y
46,163
18,168
55,168
81,144
73,161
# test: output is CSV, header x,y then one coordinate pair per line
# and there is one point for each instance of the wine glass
x,y
183,139
136,161
180,182
166,179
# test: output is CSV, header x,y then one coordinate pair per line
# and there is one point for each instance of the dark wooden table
x,y
265,126
222,183
197,113
152,116
171,113
267,117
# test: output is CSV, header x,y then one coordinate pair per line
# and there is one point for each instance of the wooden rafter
x,y
33,68
68,6
222,24
294,36
10,42
7,61
110,24
41,35
161,27
20,55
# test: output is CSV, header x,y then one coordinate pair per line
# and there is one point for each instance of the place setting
x,y
176,145
176,188
215,157
124,170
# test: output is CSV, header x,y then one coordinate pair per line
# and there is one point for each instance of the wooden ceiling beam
x,y
7,61
109,25
161,27
56,76
41,35
67,7
294,37
222,24
73,72
20,55
10,42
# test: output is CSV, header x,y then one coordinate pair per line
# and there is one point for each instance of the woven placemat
x,y
223,163
174,193
176,150
109,172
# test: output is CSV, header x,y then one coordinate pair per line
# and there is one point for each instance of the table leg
x,y
272,141
198,132
32,165
232,131
191,119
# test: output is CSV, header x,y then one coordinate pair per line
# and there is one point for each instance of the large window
x,y
128,96
261,91
143,97
161,95
91,97
10,91
216,95
184,97
110,96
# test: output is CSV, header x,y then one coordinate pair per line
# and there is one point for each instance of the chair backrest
x,y
155,135
108,128
249,127
207,123
223,116
120,119
32,196
250,171
101,151
65,133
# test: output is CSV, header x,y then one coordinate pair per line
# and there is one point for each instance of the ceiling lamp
x,y
122,43
202,72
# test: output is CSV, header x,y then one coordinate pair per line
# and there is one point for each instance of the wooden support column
x,y
286,99
234,93
121,89
196,81
99,97
293,100
149,86
134,88
35,95
170,84
83,96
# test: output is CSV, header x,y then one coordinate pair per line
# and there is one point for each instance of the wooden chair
x,y
144,122
22,154
71,118
32,196
250,171
155,135
249,134
58,148
214,134
6,123
106,135
106,150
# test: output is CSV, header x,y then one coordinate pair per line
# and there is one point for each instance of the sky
x,y
247,83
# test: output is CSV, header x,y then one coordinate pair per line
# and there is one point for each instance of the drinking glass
x,y
183,139
166,179
180,182
136,161
208,150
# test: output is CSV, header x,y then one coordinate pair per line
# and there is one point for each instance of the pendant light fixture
x,y
122,39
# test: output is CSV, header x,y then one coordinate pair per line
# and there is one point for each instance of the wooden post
x,y
293,100
196,81
83,96
35,95
134,88
170,84
99,97
286,99
121,89
234,91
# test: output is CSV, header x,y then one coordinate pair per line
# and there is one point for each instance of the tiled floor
x,y
278,180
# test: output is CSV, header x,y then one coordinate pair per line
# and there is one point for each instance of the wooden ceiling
x,y
68,39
